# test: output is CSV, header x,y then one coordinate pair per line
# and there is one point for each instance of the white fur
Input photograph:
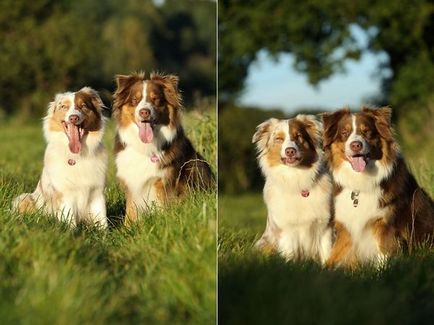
x,y
135,168
302,221
81,185
134,165
355,219
144,104
72,109
355,137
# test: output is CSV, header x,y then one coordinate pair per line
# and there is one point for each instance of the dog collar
x,y
355,198
305,193
154,158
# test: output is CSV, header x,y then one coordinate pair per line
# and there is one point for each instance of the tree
x,y
51,46
318,34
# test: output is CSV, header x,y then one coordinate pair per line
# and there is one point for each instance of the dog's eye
x,y
63,107
344,133
84,106
278,140
366,132
134,101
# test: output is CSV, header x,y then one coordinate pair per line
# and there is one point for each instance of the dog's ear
x,y
55,103
94,98
123,84
383,118
330,125
263,133
313,127
170,88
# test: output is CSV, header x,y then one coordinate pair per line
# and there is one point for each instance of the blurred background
x,y
278,58
50,46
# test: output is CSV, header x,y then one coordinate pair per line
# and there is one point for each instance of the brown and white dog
x,y
378,204
155,160
73,177
297,188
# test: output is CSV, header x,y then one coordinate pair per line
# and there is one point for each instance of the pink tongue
x,y
358,163
74,138
145,132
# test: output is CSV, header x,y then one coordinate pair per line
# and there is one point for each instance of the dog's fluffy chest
x,y
355,211
288,207
69,171
137,165
136,168
358,202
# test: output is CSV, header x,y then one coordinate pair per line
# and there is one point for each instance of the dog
x,y
155,160
379,207
297,189
75,162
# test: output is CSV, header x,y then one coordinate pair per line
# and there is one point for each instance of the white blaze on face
x,y
357,160
287,142
72,129
146,132
73,110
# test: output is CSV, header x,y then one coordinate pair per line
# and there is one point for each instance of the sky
x,y
273,84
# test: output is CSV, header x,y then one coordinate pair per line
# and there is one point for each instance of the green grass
x,y
257,289
162,270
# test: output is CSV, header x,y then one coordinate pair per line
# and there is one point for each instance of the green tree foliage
x,y
238,169
318,34
49,46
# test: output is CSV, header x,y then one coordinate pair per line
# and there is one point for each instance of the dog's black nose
x,y
356,146
290,152
73,119
145,113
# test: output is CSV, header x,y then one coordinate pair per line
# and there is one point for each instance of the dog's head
x,y
358,138
151,104
294,143
76,114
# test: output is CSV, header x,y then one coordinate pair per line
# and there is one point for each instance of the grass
x,y
161,270
257,289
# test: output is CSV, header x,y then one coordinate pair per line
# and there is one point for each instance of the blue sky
x,y
273,84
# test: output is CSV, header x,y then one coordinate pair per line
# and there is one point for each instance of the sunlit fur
x,y
153,171
298,226
72,184
391,209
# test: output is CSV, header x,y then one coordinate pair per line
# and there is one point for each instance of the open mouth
x,y
146,130
74,133
290,160
358,162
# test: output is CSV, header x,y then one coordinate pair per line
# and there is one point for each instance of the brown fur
x,y
184,167
301,130
88,102
131,213
409,218
341,252
26,205
304,134
384,234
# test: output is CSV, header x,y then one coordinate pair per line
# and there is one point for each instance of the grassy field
x,y
255,289
162,270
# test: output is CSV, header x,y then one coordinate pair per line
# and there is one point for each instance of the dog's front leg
x,y
385,239
66,213
325,245
341,253
97,209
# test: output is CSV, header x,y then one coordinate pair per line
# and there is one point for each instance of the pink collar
x,y
154,158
